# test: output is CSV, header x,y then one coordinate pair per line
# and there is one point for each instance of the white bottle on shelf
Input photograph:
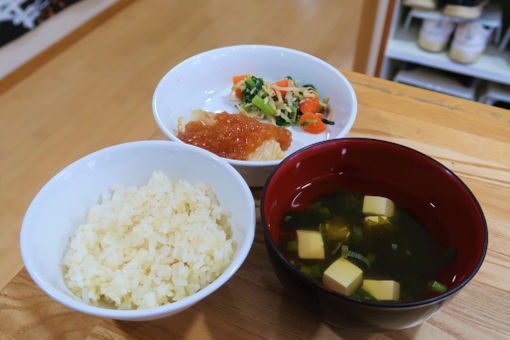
x,y
469,42
435,34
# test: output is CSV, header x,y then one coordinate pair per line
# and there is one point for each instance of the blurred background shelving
x,y
404,61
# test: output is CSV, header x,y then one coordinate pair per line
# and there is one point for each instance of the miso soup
x,y
366,247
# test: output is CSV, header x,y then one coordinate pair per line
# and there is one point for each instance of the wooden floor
x,y
43,130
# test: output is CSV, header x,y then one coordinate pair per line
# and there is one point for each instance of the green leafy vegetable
x,y
266,108
349,203
250,82
363,294
313,271
324,232
345,251
309,121
281,122
371,258
337,248
318,211
438,287
356,236
310,86
291,246
250,92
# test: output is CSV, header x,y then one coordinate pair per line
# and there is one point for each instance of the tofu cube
x,y
377,205
343,277
376,220
310,244
388,290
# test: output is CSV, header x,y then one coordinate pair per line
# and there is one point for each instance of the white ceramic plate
x,y
204,82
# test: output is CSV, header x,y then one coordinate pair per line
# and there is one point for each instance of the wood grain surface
x,y
95,90
471,139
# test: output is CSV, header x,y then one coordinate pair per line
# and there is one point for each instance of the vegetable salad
x,y
283,103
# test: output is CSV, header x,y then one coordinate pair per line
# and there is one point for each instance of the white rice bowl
x,y
65,201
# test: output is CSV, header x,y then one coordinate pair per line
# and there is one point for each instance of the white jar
x,y
435,34
469,42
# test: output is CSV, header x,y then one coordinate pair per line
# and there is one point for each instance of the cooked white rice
x,y
147,246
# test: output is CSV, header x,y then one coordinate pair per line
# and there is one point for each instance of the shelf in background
x,y
493,65
495,93
439,81
492,16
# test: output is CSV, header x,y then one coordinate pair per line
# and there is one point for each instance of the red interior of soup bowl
x,y
409,178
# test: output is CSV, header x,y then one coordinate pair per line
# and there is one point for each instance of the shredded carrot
x,y
282,83
311,105
312,122
237,79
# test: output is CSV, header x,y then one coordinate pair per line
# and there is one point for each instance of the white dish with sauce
x,y
204,81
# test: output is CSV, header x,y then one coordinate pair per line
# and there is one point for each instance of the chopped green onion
x,y
250,83
324,232
337,248
294,109
291,246
247,108
264,107
345,251
438,287
287,218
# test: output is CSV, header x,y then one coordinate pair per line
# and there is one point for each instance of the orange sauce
x,y
233,136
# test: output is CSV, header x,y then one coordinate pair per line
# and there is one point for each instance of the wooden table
x,y
471,139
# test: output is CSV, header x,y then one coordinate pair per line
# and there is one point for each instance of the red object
x,y
282,83
237,79
310,105
312,123
412,180
233,136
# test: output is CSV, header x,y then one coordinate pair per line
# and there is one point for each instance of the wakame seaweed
x,y
400,248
